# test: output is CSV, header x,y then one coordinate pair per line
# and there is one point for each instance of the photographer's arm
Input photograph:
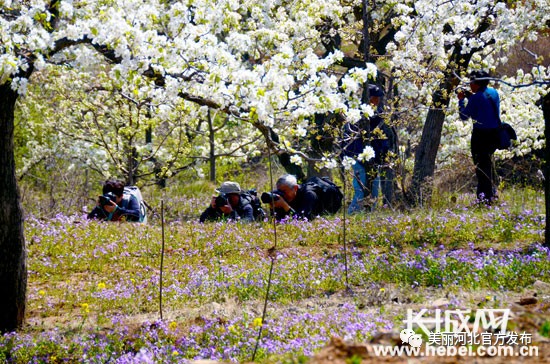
x,y
462,106
210,214
282,208
467,110
283,205
227,209
129,208
97,214
131,211
247,213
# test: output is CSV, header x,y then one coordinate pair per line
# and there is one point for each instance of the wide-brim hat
x,y
229,187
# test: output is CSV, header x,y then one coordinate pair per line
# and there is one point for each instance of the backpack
x,y
251,197
329,194
134,192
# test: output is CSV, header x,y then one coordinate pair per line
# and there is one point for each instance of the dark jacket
x,y
127,210
355,142
305,205
382,145
243,212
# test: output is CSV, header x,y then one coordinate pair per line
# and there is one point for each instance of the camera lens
x,y
268,197
221,200
106,198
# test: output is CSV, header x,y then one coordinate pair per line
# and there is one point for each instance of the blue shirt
x,y
129,208
483,107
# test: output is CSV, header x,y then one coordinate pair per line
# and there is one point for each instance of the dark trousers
x,y
483,145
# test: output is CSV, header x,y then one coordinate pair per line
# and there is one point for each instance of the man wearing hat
x,y
483,107
228,205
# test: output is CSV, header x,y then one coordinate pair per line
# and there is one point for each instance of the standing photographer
x,y
484,108
114,205
228,205
382,137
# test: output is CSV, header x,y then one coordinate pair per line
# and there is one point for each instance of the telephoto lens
x,y
268,197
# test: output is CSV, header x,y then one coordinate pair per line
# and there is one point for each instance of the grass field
x,y
94,288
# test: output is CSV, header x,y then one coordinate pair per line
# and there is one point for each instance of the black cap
x,y
375,90
479,75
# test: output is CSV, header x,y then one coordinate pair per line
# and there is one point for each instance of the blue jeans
x,y
359,182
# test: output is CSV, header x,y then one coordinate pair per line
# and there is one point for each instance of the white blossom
x,y
367,154
296,159
348,162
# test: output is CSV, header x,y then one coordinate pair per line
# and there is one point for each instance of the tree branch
x,y
65,42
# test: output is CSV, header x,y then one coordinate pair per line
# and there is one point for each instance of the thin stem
x,y
272,254
161,255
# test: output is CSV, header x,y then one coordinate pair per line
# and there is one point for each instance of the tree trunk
x,y
366,41
13,270
426,153
546,113
132,163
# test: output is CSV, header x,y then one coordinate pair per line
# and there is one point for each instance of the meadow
x,y
94,288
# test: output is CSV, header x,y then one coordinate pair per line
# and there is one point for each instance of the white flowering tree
x,y
424,50
92,124
220,138
446,39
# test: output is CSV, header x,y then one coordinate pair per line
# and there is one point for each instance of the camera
x,y
467,93
106,198
221,200
268,197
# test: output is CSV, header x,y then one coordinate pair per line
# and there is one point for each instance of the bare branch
x,y
510,84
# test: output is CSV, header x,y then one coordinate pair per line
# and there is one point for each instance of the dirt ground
x,y
529,311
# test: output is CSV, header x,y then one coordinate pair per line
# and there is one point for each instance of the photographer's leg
x,y
387,182
359,180
481,156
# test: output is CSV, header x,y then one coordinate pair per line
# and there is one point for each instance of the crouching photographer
x,y
229,204
113,205
292,199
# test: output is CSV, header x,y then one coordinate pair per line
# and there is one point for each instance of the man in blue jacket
x,y
483,107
